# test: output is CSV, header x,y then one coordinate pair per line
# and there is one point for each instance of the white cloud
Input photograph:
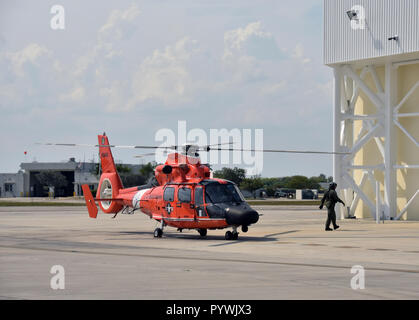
x,y
164,75
30,54
7,93
76,95
116,95
252,41
247,51
273,88
25,76
119,26
299,54
101,71
119,23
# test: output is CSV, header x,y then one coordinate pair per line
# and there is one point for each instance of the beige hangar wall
x,y
407,152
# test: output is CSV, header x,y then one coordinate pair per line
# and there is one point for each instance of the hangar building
x,y
25,184
373,48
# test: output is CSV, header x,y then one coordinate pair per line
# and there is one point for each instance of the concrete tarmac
x,y
287,255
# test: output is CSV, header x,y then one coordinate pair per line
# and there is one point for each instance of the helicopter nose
x,y
241,217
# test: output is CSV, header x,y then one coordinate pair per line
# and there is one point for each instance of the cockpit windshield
x,y
219,193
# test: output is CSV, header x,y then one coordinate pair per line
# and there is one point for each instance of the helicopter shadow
x,y
131,233
266,238
134,232
189,236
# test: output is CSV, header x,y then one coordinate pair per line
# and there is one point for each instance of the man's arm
x,y
341,201
335,198
323,200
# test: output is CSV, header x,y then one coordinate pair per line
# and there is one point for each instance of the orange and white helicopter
x,y
184,197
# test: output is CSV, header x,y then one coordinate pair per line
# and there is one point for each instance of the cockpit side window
x,y
169,194
219,193
184,194
239,192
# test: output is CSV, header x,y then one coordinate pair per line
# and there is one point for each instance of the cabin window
x,y
199,196
184,195
169,194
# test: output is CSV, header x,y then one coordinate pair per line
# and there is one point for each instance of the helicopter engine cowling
x,y
181,168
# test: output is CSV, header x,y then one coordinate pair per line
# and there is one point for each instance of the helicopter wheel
x,y
158,233
231,235
245,229
202,232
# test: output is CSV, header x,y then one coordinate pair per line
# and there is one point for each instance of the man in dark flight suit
x,y
330,198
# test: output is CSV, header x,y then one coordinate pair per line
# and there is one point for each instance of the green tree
x,y
322,178
271,185
313,183
132,180
237,175
123,168
147,170
251,184
298,182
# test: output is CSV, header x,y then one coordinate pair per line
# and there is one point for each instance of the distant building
x,y
11,185
25,184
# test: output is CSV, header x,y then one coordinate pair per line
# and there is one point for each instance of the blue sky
x,y
131,68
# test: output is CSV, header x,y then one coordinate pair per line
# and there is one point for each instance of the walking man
x,y
330,198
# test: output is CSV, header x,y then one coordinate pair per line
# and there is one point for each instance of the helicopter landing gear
x,y
158,233
228,235
232,235
202,232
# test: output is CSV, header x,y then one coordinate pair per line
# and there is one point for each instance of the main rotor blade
x,y
281,151
148,154
175,147
144,155
218,144
106,145
205,148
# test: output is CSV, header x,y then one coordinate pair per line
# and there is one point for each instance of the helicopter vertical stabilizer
x,y
110,182
90,202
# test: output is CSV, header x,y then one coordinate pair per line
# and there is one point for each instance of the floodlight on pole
x,y
352,15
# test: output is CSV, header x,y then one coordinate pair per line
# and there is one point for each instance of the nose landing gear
x,y
158,232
